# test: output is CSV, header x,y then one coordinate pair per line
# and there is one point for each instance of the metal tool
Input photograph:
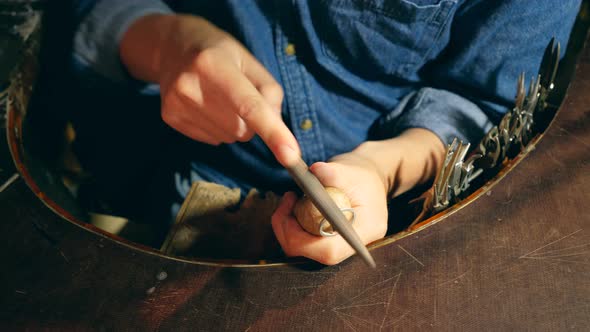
x,y
549,64
312,187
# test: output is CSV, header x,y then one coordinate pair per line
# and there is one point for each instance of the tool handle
x,y
312,187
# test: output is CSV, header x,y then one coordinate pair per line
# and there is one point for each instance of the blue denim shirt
x,y
352,70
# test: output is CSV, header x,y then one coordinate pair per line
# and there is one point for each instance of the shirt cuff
x,y
97,38
444,113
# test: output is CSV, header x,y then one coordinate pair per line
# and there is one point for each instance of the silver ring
x,y
333,233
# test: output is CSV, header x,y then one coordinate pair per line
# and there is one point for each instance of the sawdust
x,y
213,224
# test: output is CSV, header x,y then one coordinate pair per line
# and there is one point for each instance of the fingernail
x,y
318,168
287,155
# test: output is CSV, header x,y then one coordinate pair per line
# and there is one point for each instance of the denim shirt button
x,y
306,124
290,49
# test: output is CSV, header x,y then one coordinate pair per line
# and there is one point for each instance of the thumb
x,y
326,173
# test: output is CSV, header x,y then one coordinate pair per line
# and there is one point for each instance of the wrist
x,y
408,160
143,43
155,44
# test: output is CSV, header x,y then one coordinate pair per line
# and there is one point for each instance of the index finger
x,y
257,113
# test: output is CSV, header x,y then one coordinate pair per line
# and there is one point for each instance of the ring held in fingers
x,y
326,230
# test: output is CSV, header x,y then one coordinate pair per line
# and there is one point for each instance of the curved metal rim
x,y
14,126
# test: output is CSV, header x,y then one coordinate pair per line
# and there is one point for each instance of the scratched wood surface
x,y
516,258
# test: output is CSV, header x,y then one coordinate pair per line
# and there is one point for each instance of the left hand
x,y
359,178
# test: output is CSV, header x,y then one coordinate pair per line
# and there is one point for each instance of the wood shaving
x,y
213,224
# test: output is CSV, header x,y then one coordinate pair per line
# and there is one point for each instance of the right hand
x,y
212,89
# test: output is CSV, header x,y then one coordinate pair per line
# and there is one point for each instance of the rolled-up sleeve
x,y
468,88
446,114
101,27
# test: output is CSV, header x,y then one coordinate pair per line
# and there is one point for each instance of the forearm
x,y
154,41
141,46
408,160
98,32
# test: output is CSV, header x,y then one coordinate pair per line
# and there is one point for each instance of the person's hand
x,y
369,175
212,89
358,177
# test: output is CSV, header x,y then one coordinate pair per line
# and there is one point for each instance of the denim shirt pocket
x,y
374,37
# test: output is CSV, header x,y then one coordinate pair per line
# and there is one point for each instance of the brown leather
x,y
518,257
